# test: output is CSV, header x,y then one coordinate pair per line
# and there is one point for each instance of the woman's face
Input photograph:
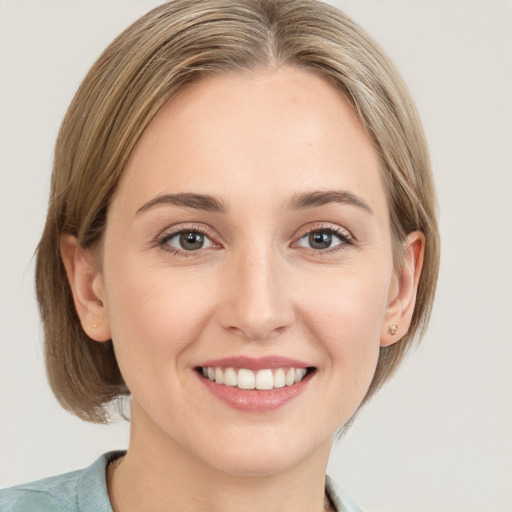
x,y
249,236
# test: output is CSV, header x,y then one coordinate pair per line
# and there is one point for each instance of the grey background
x,y
438,437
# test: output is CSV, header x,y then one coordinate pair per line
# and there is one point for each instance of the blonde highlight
x,y
170,48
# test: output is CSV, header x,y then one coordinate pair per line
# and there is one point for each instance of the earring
x,y
392,329
94,326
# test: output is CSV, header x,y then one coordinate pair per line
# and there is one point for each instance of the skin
x,y
253,142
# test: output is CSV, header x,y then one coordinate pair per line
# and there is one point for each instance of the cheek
x,y
345,315
154,316
349,301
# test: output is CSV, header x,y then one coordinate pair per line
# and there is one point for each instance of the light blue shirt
x,y
86,491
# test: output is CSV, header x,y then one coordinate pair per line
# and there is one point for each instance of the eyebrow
x,y
195,201
314,199
298,202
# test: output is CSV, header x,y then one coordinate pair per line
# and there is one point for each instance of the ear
x,y
86,284
403,290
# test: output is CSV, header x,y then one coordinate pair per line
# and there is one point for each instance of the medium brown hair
x,y
174,45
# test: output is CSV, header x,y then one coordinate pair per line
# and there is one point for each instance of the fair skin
x,y
260,274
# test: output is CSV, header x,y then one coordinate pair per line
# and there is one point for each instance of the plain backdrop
x,y
436,438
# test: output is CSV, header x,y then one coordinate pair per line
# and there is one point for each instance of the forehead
x,y
248,133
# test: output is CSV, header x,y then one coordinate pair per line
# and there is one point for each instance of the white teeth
x,y
279,378
230,377
299,374
247,379
264,379
219,376
290,377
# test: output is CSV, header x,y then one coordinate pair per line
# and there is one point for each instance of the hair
x,y
170,47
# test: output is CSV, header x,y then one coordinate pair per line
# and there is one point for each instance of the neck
x,y
158,474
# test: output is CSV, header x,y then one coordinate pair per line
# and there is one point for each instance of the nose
x,y
256,300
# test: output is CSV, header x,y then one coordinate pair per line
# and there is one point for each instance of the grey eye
x,y
189,241
318,240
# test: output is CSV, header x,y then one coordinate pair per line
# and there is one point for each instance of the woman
x,y
242,238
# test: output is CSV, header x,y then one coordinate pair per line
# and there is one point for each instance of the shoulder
x,y
341,502
56,494
79,491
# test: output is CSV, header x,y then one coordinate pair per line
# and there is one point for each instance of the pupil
x,y
191,241
320,240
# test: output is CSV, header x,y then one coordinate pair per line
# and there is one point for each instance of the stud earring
x,y
392,329
94,326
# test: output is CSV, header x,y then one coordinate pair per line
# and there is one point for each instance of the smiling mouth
x,y
263,380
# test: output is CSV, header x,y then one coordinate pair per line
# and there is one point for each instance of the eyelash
x,y
343,235
162,241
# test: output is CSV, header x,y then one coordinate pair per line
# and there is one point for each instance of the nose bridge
x,y
256,304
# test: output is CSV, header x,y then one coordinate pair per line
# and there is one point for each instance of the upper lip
x,y
258,363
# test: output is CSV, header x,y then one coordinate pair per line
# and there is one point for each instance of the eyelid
x,y
347,238
342,233
175,230
325,226
186,226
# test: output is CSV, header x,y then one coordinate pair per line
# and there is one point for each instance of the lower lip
x,y
255,400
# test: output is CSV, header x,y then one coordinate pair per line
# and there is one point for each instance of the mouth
x,y
255,385
264,379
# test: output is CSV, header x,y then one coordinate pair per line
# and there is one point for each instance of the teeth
x,y
247,379
219,376
264,379
279,379
230,377
299,374
290,377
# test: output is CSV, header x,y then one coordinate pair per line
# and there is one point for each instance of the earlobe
x,y
86,283
402,296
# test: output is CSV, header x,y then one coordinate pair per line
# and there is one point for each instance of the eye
x,y
187,240
323,239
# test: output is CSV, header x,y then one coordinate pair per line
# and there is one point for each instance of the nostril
x,y
236,330
257,334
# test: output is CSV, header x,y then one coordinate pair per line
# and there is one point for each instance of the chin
x,y
263,455
256,466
